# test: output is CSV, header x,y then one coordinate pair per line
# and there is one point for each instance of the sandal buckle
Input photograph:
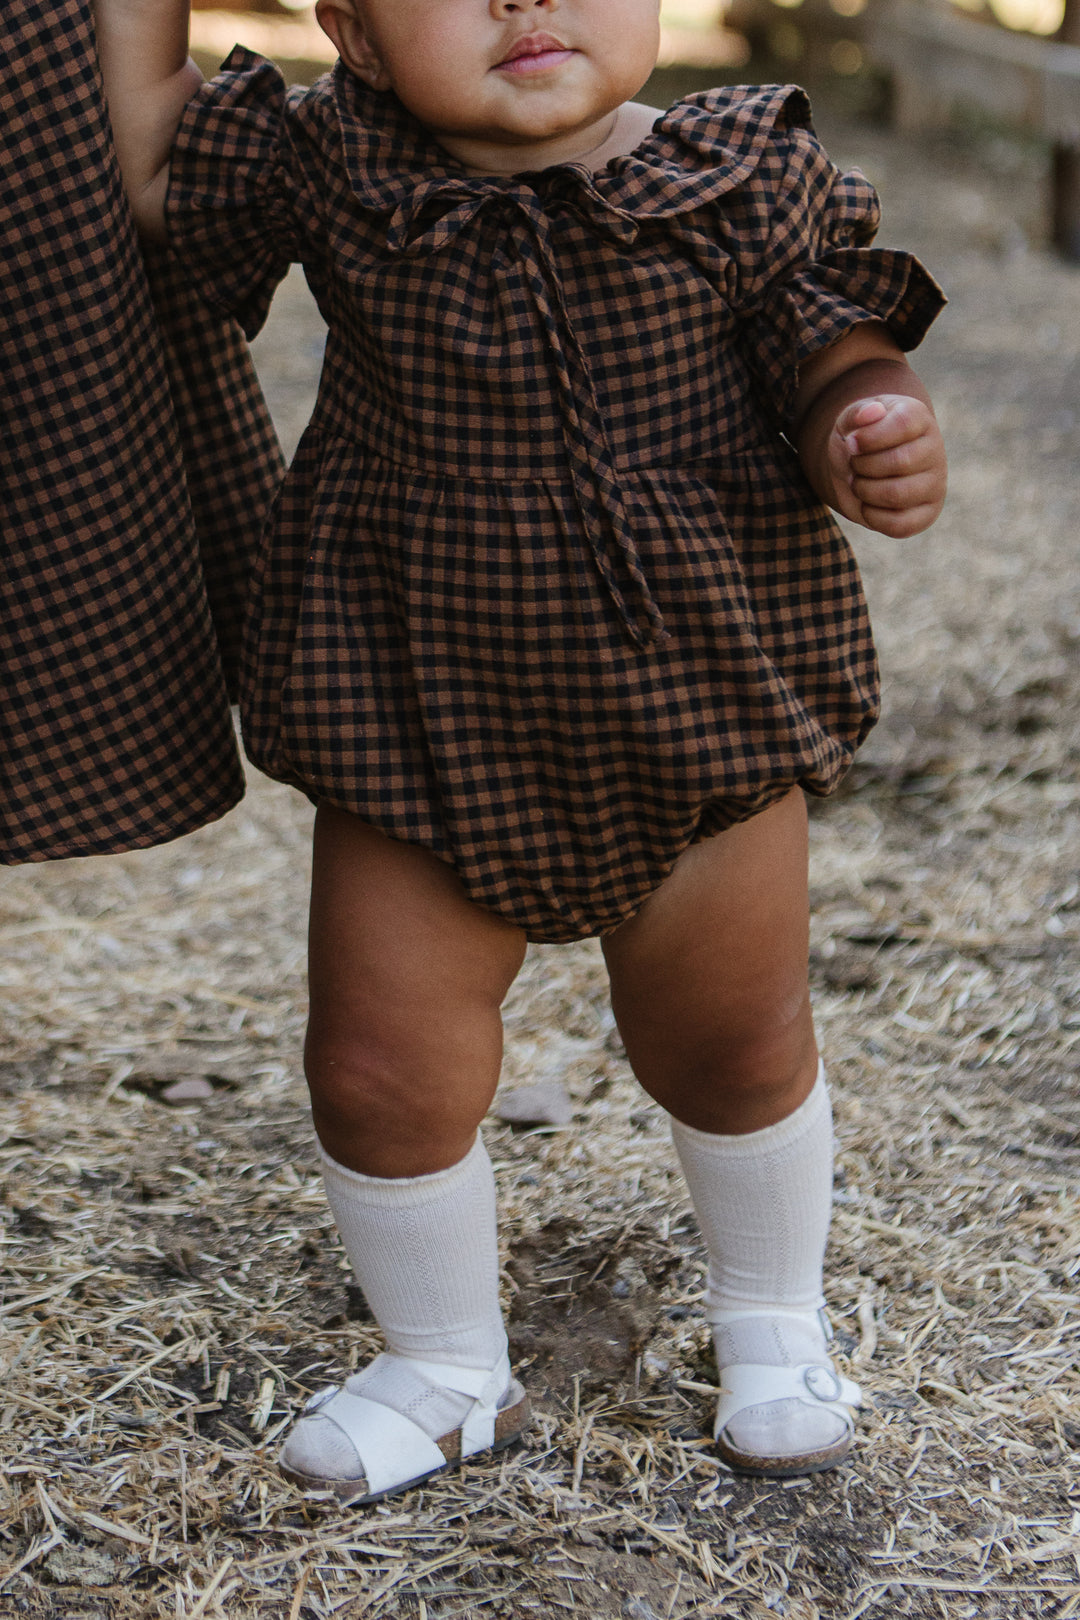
x,y
823,1383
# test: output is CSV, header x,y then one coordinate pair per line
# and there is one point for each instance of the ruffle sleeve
x,y
812,274
234,198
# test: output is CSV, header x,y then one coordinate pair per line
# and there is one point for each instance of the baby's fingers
x,y
905,460
884,423
922,492
899,523
888,460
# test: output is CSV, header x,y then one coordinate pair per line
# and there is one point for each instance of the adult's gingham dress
x,y
137,461
545,590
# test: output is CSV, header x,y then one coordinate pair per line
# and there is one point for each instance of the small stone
x,y
194,1089
543,1104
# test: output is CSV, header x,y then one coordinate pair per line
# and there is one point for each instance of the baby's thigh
x,y
406,979
709,979
393,937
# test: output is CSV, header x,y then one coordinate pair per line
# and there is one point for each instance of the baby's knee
x,y
732,1074
361,1084
761,1034
766,1018
385,1111
748,1040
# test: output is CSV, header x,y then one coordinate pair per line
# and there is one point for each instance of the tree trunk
x,y
1065,163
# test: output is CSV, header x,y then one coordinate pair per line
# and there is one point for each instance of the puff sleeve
x,y
236,195
813,273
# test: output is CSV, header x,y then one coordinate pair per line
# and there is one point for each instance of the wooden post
x,y
1065,164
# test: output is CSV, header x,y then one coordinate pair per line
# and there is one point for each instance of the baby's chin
x,y
510,151
553,131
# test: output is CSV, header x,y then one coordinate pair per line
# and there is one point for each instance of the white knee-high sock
x,y
763,1203
425,1252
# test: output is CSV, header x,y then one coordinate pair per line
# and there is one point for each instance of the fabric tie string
x,y
416,229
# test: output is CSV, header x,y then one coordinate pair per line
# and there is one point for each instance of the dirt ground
x,y
172,1287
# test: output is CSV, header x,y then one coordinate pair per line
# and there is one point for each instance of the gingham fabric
x,y
546,591
115,729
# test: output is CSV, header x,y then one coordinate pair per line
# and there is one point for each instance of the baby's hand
x,y
887,460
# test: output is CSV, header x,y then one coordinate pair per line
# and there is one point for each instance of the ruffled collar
x,y
704,146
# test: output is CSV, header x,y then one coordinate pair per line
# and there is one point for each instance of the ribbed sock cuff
x,y
763,1203
425,1252
387,1192
752,1144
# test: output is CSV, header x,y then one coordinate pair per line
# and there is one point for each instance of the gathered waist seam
x,y
557,471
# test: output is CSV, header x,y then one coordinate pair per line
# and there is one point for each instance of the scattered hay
x,y
173,1290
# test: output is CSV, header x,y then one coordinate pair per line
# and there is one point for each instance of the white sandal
x,y
392,1452
815,1384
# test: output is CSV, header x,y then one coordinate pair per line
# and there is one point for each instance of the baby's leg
x,y
709,986
403,1054
406,981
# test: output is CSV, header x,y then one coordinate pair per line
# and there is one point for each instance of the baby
x,y
554,624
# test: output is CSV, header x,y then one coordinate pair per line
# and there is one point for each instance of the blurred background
x,y
807,39
979,69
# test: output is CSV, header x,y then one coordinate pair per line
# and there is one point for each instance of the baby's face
x,y
505,84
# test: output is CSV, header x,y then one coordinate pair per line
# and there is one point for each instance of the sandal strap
x,y
814,1383
486,1388
393,1450
483,1385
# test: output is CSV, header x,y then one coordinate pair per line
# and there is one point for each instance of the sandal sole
x,y
811,1462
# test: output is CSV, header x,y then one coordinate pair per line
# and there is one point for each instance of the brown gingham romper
x,y
546,591
126,441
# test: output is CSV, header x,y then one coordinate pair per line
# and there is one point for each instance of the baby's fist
x,y
887,460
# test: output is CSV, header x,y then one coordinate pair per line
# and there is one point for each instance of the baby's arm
x,y
867,436
149,79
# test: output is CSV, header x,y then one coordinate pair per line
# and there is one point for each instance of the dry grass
x,y
172,1289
